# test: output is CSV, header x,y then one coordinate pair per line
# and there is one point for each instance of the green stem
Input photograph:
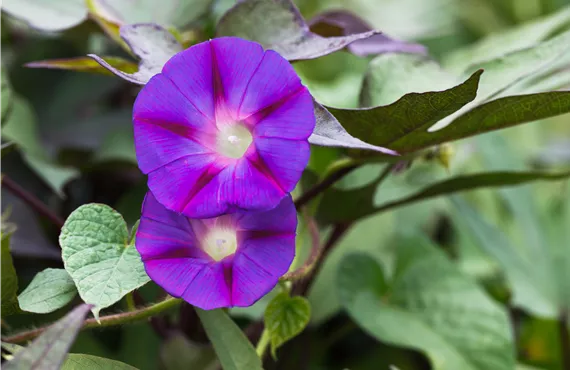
x,y
130,300
105,321
263,343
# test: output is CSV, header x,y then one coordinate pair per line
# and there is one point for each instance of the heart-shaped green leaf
x,y
50,290
286,317
99,257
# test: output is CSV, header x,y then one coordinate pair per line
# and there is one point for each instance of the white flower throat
x,y
220,243
233,140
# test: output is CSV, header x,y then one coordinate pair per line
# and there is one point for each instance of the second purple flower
x,y
223,128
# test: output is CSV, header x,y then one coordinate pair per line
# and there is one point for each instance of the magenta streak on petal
x,y
243,235
188,99
227,265
248,83
221,112
208,140
256,161
258,116
211,172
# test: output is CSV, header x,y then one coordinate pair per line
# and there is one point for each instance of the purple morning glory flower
x,y
226,261
223,128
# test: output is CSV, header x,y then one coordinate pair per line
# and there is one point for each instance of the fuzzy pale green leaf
x,y
99,257
50,290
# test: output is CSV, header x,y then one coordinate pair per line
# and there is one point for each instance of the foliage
x,y
432,217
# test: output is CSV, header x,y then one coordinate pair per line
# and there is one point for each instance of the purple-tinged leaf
x,y
152,44
278,25
86,64
344,23
329,132
49,350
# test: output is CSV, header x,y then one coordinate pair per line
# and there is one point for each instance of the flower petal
x,y
163,234
276,155
258,265
191,72
280,219
173,260
209,289
236,61
240,186
273,81
293,119
175,184
166,126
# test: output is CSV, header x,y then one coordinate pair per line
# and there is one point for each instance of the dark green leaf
x,y
278,25
430,307
88,362
99,256
349,205
329,132
495,115
50,290
49,350
152,44
285,318
48,16
398,125
234,350
9,280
